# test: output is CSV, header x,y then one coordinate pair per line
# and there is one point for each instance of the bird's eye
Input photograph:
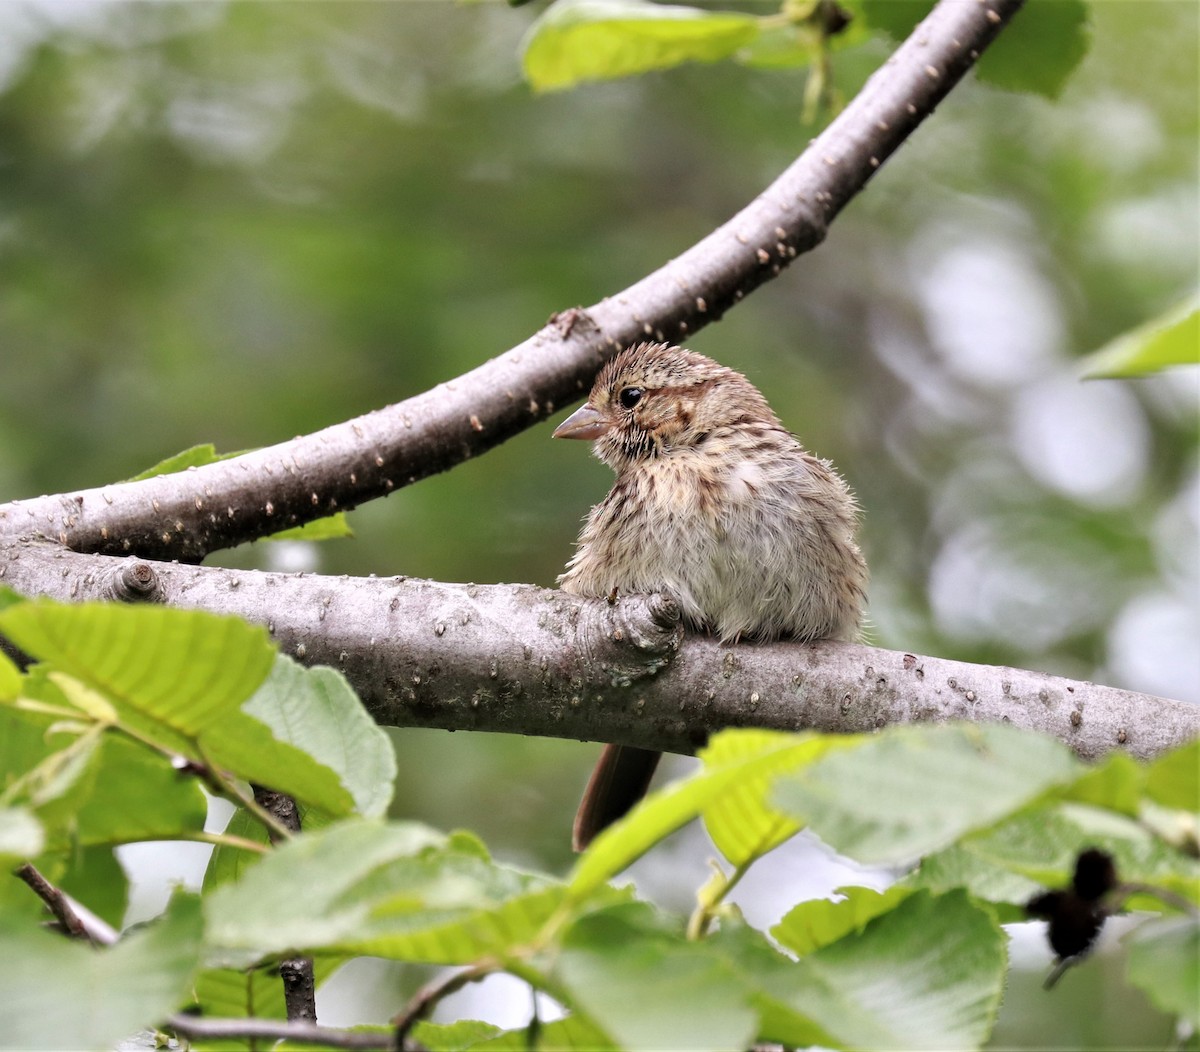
x,y
630,396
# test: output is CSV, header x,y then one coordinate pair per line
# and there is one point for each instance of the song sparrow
x,y
716,503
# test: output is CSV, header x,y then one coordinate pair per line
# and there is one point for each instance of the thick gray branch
x,y
527,660
186,516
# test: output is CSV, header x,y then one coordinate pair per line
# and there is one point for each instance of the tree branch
x,y
198,1028
526,660
190,514
75,920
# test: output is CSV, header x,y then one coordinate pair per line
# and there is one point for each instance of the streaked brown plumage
x,y
716,503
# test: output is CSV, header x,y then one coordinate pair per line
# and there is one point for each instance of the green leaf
x,y
613,958
61,994
916,789
94,877
10,678
578,40
135,795
331,527
897,18
665,811
1172,338
1042,844
456,1037
229,863
808,926
328,528
24,745
192,457
178,679
740,821
21,834
258,992
1037,52
1164,961
927,974
575,1033
1173,780
388,889
1039,49
186,670
986,878
1115,783
315,710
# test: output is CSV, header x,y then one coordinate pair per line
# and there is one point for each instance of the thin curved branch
x,y
188,515
526,660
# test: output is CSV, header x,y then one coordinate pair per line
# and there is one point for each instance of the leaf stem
x,y
711,896
223,840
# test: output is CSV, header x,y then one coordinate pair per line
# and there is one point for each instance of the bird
x,y
716,503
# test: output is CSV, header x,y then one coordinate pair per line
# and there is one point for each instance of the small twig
x,y
299,979
196,1028
423,1001
66,912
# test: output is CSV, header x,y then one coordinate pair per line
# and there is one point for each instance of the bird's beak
x,y
586,423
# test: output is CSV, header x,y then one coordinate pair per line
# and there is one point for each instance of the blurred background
x,y
238,222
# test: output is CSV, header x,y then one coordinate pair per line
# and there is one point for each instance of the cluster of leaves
x,y
581,40
107,738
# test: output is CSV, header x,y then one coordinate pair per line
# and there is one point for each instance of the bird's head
x,y
653,399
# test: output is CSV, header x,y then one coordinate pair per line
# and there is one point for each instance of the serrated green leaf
x,y
578,40
668,809
178,679
316,710
387,889
612,957
113,992
911,790
1173,780
1172,338
1164,961
456,1037
740,821
21,835
183,669
573,1034
927,974
961,866
808,926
